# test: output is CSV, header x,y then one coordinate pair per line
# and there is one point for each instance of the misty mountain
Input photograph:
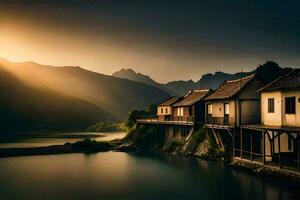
x,y
268,71
24,108
113,95
130,74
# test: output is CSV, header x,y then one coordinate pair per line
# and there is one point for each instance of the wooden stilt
x,y
233,144
298,152
251,146
280,161
264,147
272,145
241,137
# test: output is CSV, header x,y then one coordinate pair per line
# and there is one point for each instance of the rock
x,y
127,147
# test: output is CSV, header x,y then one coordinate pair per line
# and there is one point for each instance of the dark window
x,y
290,105
290,143
166,110
190,111
271,105
162,110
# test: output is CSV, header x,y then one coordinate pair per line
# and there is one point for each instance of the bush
x,y
89,145
107,127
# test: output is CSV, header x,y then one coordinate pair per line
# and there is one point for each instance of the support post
x,y
298,151
264,147
251,146
233,144
280,161
241,145
272,145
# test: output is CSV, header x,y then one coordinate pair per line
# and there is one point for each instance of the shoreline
x,y
238,163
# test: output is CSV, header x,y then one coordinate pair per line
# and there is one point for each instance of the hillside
x,y
114,95
24,108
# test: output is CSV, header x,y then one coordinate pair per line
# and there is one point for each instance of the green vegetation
x,y
198,137
88,145
136,114
147,137
107,127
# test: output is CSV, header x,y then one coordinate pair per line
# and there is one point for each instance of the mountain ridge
x,y
269,71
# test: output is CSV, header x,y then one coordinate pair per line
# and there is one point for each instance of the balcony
x,y
220,122
169,120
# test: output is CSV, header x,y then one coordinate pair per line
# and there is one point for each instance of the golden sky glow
x,y
168,46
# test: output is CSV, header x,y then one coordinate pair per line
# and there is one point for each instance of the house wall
x,y
279,118
271,119
168,108
291,119
181,111
218,109
249,91
250,111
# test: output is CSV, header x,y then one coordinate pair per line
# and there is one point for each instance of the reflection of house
x,y
235,102
165,110
280,120
191,108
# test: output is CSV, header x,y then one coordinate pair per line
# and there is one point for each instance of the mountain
x,y
113,95
130,74
268,71
182,87
24,108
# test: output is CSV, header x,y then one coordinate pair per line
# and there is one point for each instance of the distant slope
x,y
141,78
26,109
116,96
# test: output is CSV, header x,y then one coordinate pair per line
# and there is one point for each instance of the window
x,y
209,109
290,105
271,105
180,111
166,110
162,111
226,108
290,143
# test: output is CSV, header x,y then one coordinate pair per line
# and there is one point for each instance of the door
x,y
226,113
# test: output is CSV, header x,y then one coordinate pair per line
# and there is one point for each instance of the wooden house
x,y
235,102
165,110
191,108
280,119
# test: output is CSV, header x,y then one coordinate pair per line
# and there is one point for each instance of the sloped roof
x,y
169,101
192,97
230,88
289,81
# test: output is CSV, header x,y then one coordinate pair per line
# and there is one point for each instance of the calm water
x,y
44,139
115,175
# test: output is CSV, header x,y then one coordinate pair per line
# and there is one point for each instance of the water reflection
x,y
114,175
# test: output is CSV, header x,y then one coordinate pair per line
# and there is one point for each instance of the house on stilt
x,y
277,136
233,104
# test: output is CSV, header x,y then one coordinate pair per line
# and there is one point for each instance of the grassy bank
x,y
107,127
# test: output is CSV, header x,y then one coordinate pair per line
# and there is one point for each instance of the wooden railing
x,y
220,121
189,120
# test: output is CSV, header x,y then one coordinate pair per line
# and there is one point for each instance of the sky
x,y
168,40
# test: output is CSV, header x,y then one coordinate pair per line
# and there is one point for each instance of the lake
x,y
117,175
40,139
